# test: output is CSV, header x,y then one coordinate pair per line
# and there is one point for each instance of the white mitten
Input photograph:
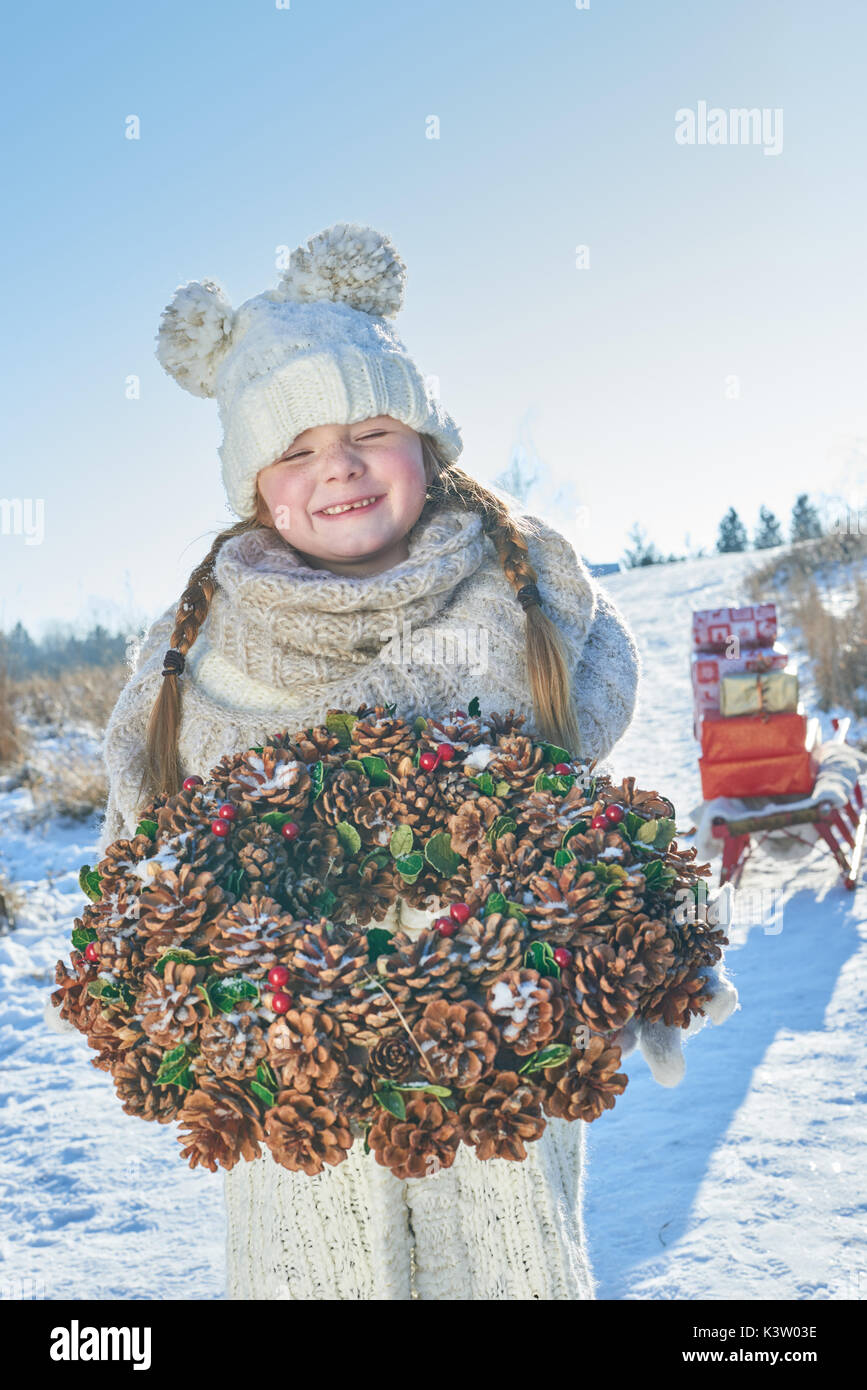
x,y
662,1046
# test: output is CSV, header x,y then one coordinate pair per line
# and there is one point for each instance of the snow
x,y
478,757
743,1181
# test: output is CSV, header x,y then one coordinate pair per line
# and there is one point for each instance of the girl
x,y
360,540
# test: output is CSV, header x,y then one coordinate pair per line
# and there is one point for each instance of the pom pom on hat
x,y
194,335
350,263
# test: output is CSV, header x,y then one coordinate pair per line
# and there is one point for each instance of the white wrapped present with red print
x,y
708,669
753,626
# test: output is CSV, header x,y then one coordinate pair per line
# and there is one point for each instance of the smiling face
x,y
346,496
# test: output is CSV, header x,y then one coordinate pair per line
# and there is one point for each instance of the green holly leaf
x,y
439,854
265,1075
317,779
630,825
181,954
473,709
81,936
380,857
495,902
553,1056
263,1092
553,754
502,789
227,991
259,748
562,857
391,710
540,956
88,881
379,943
659,876
448,1102
648,832
515,910
340,723
348,836
401,841
419,725
277,819
377,771
409,866
173,1065
324,905
503,825
665,833
353,765
203,991
391,1100
554,782
485,783
147,827
426,1087
103,989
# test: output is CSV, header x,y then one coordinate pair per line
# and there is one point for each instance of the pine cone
x,y
169,1007
585,1085
180,909
261,852
306,1048
418,1146
327,965
565,901
304,1134
455,786
254,935
416,803
72,998
454,730
134,1075
367,892
379,735
518,762
373,817
341,794
393,1057
528,1008
301,891
122,857
468,826
609,973
273,777
459,1041
682,993
489,948
649,804
222,1124
351,1093
421,969
234,1044
184,833
118,938
112,1034
316,745
501,1115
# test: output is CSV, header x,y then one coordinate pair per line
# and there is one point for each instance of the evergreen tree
x,y
805,520
768,530
732,533
642,551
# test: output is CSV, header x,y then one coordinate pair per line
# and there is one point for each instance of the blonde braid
x,y
550,685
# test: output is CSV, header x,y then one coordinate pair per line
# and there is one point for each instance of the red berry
x,y
562,956
562,769
291,830
613,814
91,951
459,912
459,714
280,1002
428,761
445,926
190,782
227,811
220,827
599,823
445,752
278,976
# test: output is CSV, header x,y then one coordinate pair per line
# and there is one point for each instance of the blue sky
x,y
260,126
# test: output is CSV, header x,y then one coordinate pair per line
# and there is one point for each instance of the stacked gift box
x,y
745,705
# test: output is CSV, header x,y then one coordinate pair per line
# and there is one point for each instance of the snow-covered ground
x,y
746,1180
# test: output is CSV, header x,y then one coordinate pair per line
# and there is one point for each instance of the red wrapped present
x,y
744,736
753,626
791,774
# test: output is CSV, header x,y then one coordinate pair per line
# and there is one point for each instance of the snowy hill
x,y
743,1181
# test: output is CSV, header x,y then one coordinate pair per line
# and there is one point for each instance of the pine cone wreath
x,y
304,1134
501,1115
170,1008
528,1009
305,1047
233,1044
134,1075
219,1124
459,1040
419,1145
587,1083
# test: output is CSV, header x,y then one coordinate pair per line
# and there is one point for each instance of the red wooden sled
x,y
843,828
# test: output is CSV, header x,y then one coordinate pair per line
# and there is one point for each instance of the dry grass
x,y
81,697
75,786
11,739
804,559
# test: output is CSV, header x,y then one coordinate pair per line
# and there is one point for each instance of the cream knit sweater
x,y
282,644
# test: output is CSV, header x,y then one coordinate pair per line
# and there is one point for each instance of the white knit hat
x,y
317,350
